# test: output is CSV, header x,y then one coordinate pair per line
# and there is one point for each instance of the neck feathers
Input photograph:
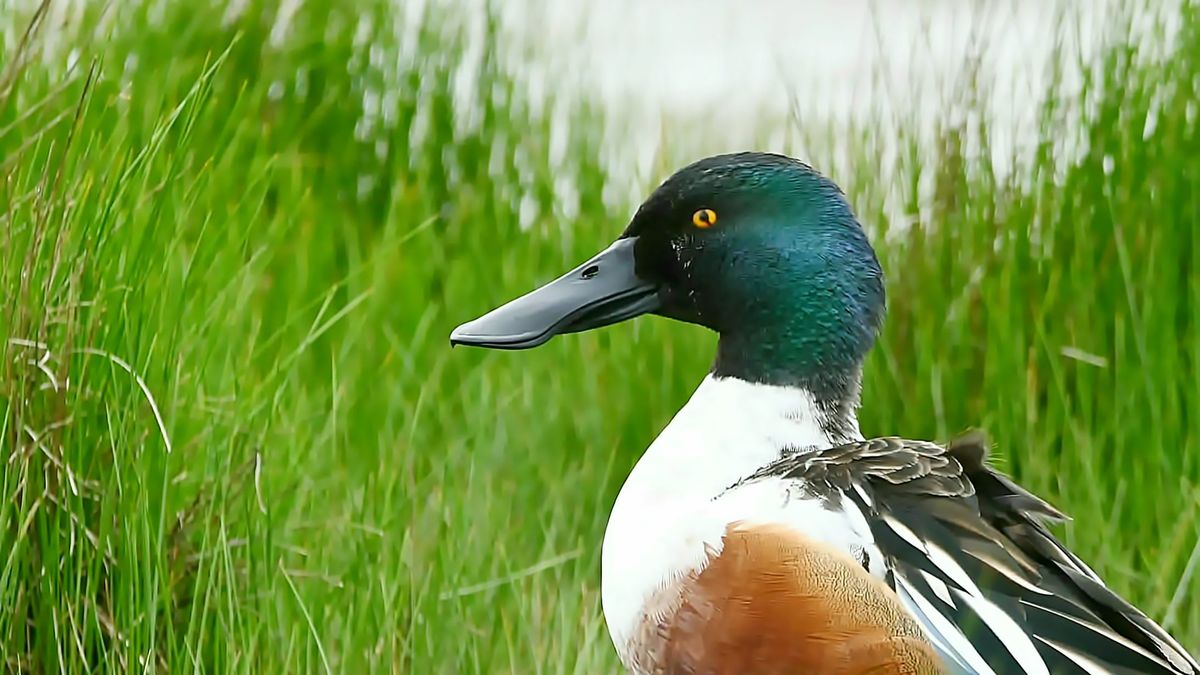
x,y
832,393
734,414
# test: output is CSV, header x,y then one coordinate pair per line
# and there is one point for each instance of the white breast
x,y
675,505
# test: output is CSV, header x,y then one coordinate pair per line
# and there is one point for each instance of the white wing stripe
x,y
1102,631
904,532
1080,660
941,631
939,588
863,495
1008,574
950,566
1011,635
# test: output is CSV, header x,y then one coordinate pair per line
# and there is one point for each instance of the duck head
x,y
758,247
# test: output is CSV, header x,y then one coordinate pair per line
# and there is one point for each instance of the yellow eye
x,y
704,218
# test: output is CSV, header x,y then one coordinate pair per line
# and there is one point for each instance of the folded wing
x,y
969,554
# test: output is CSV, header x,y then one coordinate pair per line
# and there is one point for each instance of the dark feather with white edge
x,y
968,548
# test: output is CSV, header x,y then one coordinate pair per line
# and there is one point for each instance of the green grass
x,y
234,438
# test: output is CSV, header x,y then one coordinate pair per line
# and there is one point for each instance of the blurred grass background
x,y
234,237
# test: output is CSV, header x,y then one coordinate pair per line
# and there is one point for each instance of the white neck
x,y
728,429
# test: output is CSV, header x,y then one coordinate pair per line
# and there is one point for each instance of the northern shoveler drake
x,y
761,533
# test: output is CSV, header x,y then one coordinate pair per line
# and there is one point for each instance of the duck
x,y
760,532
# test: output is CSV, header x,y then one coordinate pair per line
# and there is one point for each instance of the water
x,y
724,70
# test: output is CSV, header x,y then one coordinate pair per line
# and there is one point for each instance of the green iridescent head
x,y
758,247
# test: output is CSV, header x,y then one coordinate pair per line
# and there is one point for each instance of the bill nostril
x,y
590,271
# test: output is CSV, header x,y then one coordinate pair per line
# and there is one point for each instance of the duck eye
x,y
704,218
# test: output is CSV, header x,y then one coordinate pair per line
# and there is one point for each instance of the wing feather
x,y
969,553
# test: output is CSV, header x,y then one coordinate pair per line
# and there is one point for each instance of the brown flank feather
x,y
774,602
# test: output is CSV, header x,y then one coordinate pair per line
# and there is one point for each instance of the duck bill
x,y
600,292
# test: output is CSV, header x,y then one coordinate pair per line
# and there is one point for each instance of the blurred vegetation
x,y
235,235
